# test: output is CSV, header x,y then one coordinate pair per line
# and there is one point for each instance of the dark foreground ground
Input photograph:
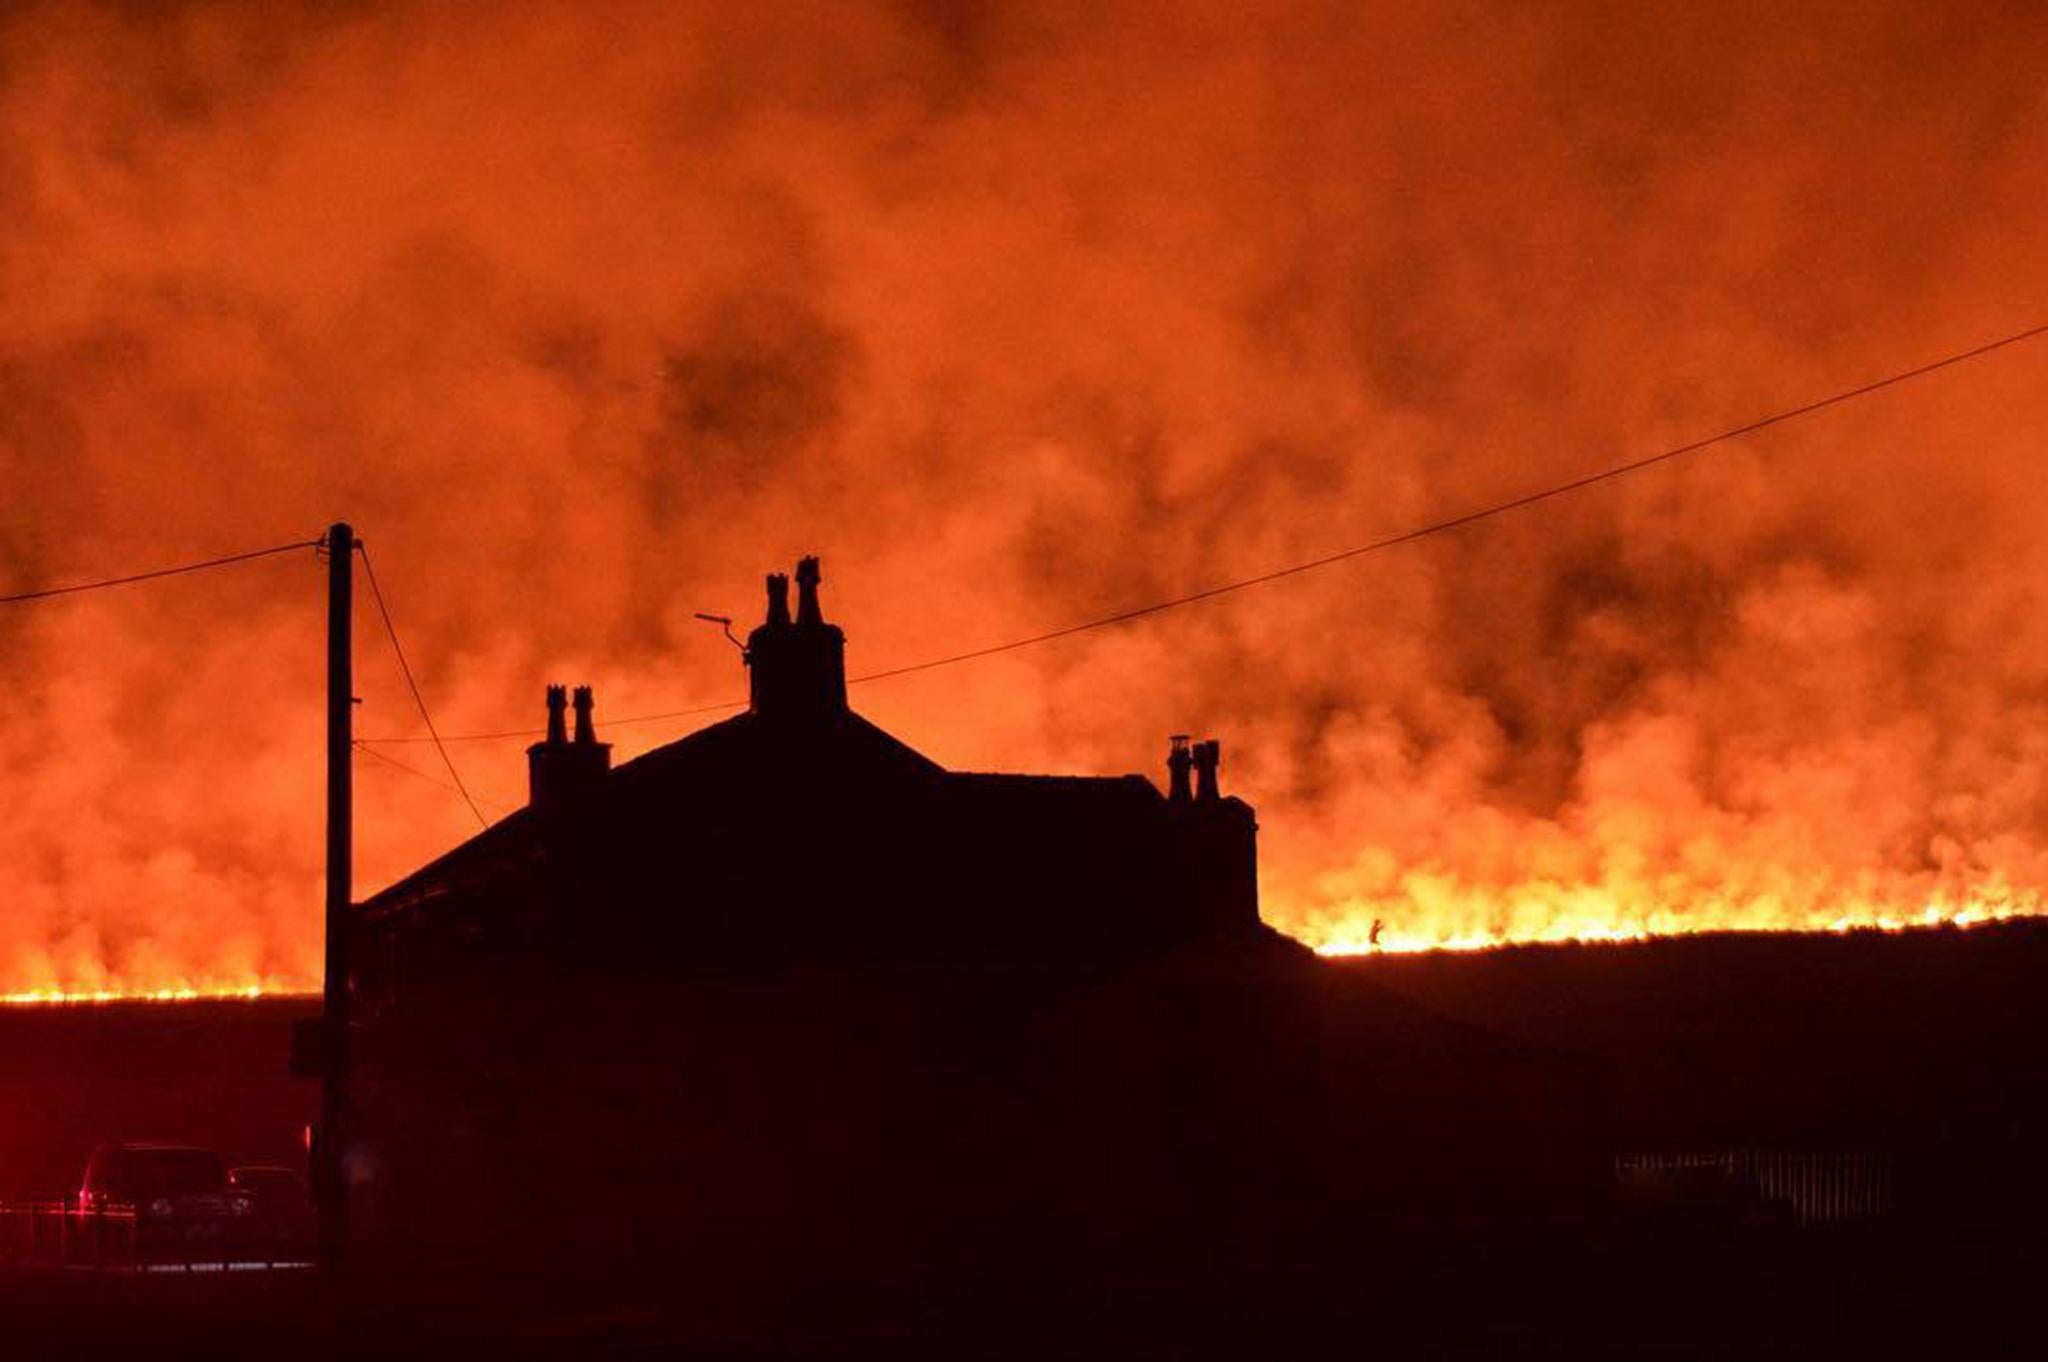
x,y
1931,1049
1863,1296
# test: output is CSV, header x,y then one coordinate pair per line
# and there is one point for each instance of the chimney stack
x,y
1219,871
561,773
796,669
1179,761
1207,757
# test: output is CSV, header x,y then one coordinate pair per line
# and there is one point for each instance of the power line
x,y
133,577
377,593
1469,517
407,768
1391,541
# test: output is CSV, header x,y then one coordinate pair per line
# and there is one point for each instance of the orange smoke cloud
x,y
587,315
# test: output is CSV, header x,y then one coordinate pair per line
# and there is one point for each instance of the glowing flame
x,y
1436,914
173,993
1457,918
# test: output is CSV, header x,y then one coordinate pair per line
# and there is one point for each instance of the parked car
x,y
185,1207
282,1223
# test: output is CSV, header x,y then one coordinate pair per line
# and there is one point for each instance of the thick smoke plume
x,y
586,315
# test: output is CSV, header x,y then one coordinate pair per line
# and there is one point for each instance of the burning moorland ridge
x,y
1024,315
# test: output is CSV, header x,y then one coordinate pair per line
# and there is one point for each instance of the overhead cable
x,y
1344,555
391,630
47,592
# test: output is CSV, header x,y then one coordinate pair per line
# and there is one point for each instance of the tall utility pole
x,y
331,1180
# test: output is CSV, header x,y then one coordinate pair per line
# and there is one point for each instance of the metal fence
x,y
1816,1187
60,1234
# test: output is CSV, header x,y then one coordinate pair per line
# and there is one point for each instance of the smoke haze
x,y
586,316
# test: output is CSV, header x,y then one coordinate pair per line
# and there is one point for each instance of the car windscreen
x,y
148,1173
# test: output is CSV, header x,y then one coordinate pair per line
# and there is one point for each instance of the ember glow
x,y
587,315
257,989
1429,916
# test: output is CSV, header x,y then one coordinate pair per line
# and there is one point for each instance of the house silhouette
x,y
786,1007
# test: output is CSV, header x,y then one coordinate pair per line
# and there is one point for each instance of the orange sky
x,y
588,315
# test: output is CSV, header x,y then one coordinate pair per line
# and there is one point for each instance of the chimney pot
x,y
807,579
558,702
1207,757
586,731
1179,761
778,599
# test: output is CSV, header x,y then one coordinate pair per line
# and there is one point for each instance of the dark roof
x,y
1006,780
1078,793
844,741
502,841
